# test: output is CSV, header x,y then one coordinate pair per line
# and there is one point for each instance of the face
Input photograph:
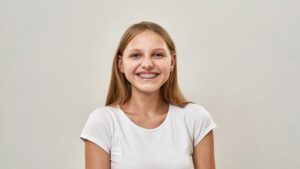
x,y
146,62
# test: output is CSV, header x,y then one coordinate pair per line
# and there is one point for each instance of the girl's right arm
x,y
95,156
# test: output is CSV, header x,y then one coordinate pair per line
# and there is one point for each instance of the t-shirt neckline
x,y
123,114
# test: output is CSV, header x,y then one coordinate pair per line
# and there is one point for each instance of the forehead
x,y
147,39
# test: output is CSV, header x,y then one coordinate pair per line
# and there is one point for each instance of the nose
x,y
147,63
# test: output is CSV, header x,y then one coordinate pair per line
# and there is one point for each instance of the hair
x,y
120,88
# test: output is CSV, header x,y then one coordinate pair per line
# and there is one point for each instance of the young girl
x,y
147,123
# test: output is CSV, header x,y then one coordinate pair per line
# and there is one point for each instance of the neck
x,y
145,103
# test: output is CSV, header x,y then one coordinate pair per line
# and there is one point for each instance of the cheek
x,y
129,68
166,66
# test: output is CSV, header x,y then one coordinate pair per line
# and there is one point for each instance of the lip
x,y
147,79
147,73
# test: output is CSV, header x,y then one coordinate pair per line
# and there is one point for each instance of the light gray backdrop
x,y
239,59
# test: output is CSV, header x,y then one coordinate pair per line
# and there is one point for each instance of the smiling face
x,y
146,62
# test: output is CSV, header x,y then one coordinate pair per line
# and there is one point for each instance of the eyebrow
x,y
138,50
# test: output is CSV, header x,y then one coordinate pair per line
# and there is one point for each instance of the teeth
x,y
148,75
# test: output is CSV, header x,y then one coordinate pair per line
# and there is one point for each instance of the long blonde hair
x,y
120,89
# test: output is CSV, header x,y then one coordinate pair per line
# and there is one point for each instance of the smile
x,y
147,75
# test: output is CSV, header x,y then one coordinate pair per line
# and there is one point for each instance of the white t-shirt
x,y
168,146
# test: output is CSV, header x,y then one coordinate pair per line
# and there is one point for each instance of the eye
x,y
135,55
158,55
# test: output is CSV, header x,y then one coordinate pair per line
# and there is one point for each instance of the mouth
x,y
147,75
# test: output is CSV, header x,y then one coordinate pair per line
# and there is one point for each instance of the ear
x,y
173,61
120,64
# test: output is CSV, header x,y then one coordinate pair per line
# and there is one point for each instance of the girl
x,y
147,123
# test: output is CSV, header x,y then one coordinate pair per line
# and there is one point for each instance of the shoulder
x,y
191,110
194,110
195,113
103,112
101,120
100,127
198,121
103,116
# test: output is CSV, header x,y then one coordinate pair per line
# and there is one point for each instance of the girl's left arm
x,y
203,155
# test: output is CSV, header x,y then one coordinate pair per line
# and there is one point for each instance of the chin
x,y
148,89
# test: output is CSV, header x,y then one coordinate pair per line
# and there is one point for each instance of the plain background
x,y
239,59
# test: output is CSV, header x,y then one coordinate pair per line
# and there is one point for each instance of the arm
x,y
96,157
203,156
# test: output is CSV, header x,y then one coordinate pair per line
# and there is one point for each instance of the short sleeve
x,y
198,121
99,129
